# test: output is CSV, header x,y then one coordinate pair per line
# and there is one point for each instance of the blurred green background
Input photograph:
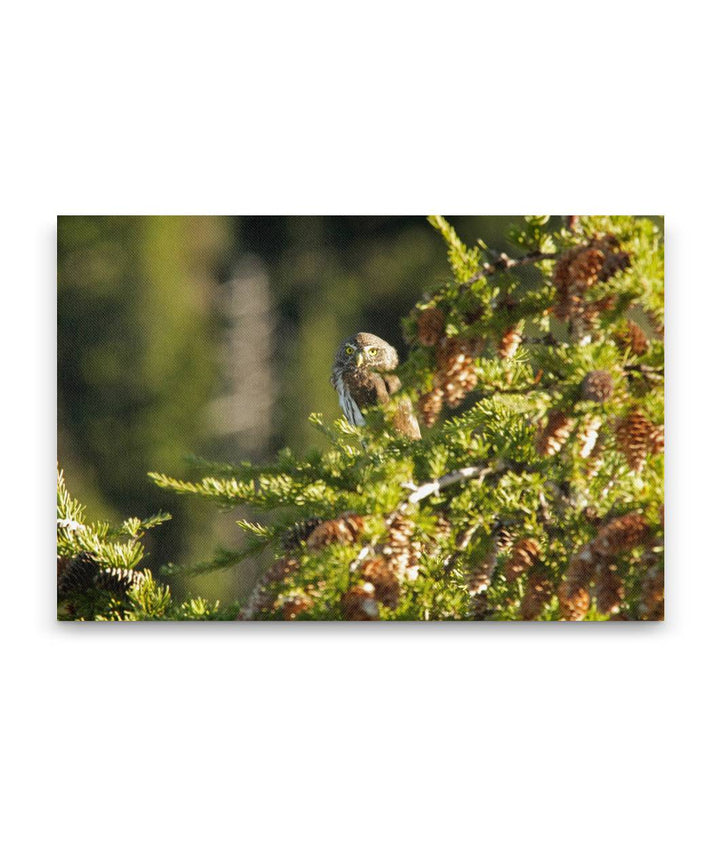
x,y
214,336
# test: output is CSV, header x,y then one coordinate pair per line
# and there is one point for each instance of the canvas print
x,y
450,418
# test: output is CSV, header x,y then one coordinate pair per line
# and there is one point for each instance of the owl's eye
x,y
372,352
349,350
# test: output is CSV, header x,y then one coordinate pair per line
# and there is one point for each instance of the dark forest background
x,y
214,337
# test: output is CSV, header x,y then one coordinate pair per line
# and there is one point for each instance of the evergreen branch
x,y
504,263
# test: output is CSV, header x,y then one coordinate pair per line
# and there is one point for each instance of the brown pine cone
x,y
633,438
524,555
509,343
632,337
579,269
400,550
584,267
295,605
657,440
574,600
479,578
620,534
359,603
378,572
457,375
574,590
597,386
430,405
609,590
553,437
538,592
431,326
344,530
575,272
503,537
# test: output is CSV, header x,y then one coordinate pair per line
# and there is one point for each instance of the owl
x,y
360,375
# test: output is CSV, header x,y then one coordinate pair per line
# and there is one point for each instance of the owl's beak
x,y
359,358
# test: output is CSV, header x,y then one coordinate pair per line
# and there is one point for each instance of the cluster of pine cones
x,y
635,435
522,558
591,569
395,559
455,360
524,554
590,574
578,270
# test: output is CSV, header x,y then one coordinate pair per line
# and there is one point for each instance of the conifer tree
x,y
536,492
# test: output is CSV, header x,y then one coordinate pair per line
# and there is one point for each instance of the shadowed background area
x,y
214,336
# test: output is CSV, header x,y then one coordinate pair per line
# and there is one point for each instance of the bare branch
x,y
436,486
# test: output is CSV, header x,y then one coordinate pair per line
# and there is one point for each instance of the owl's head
x,y
363,350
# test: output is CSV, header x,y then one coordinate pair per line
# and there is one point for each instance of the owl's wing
x,y
392,382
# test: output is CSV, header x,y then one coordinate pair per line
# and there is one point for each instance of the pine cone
x,y
632,337
552,438
509,343
574,600
479,578
524,555
609,590
457,375
401,551
538,592
633,438
298,532
657,440
597,386
620,535
378,572
85,572
431,326
77,574
344,530
295,605
588,435
119,580
430,405
579,269
574,590
359,603
503,537
575,272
